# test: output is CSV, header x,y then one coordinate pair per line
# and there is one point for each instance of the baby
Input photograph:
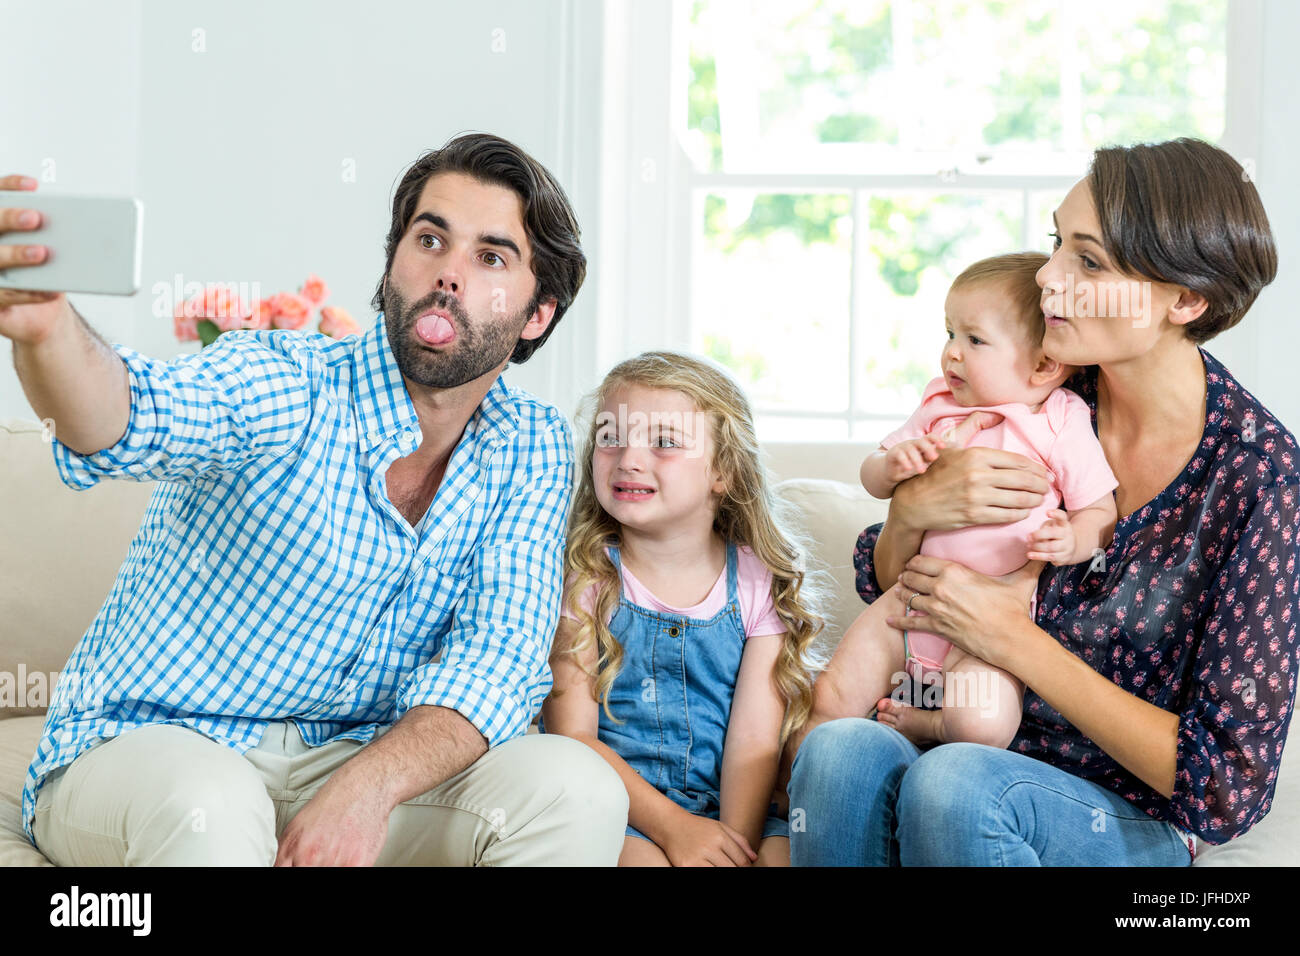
x,y
998,390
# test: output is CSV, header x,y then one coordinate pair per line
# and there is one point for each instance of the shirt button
x,y
375,436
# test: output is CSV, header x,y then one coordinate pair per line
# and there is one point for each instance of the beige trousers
x,y
165,795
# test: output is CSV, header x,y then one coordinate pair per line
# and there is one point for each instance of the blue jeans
x,y
861,794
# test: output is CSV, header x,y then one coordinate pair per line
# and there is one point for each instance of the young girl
x,y
683,654
998,390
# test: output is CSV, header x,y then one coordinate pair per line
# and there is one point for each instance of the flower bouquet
x,y
220,308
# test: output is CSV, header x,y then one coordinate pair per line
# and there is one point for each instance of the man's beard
x,y
477,349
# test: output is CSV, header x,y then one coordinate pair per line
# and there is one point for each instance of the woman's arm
x,y
1141,737
1216,759
752,751
960,488
986,617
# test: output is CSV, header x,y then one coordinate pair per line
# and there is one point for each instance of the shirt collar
x,y
384,408
1084,382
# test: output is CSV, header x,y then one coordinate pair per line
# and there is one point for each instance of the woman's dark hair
x,y
558,262
1186,213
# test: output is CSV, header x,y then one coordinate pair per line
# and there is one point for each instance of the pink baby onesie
x,y
1059,436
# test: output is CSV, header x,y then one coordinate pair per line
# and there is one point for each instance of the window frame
x,y
647,56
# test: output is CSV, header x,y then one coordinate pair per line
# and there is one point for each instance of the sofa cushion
x,y
1275,840
60,554
18,739
831,514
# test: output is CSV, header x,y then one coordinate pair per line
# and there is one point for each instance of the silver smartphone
x,y
94,243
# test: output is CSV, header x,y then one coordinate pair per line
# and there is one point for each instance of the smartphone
x,y
94,243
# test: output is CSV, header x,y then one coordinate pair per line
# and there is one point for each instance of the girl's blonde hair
x,y
748,514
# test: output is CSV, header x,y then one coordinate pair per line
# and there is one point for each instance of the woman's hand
x,y
969,486
974,611
703,841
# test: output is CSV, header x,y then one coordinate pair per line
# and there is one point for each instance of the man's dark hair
x,y
1185,212
558,262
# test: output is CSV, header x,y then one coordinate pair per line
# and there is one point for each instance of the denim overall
x,y
673,694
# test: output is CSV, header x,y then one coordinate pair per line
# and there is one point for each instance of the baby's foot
x,y
921,727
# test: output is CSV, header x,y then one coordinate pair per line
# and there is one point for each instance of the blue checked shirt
x,y
272,578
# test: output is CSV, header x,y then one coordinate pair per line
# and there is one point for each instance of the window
x,y
847,158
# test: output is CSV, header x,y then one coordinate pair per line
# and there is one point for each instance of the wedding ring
x,y
910,600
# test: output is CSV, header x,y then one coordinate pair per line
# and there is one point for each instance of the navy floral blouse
x,y
1193,608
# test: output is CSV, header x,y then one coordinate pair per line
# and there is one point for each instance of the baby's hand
x,y
912,457
1054,540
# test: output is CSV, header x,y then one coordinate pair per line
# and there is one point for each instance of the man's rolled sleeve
x,y
494,665
214,410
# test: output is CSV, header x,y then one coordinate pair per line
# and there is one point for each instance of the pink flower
x,y
191,308
314,290
289,311
336,323
186,326
231,321
260,318
224,307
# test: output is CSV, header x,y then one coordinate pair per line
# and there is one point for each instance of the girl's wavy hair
x,y
748,514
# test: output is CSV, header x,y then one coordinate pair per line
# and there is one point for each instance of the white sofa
x,y
60,550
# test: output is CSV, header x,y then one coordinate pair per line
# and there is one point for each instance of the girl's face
x,y
1095,314
986,360
653,460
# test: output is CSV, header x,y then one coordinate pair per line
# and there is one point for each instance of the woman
x,y
1161,675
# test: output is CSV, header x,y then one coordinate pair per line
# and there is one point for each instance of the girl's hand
x,y
1054,540
702,841
972,610
910,458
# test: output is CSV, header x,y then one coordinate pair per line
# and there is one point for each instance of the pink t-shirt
x,y
754,590
1059,436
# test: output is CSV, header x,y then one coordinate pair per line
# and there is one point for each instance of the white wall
x,y
644,265
238,151
70,117
1276,326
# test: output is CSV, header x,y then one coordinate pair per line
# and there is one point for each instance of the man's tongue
x,y
434,329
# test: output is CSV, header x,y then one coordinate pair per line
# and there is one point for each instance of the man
x,y
331,632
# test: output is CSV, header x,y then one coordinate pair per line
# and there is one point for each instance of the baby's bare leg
x,y
981,703
864,665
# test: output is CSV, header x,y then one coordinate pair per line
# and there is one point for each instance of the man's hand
x,y
25,316
344,824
